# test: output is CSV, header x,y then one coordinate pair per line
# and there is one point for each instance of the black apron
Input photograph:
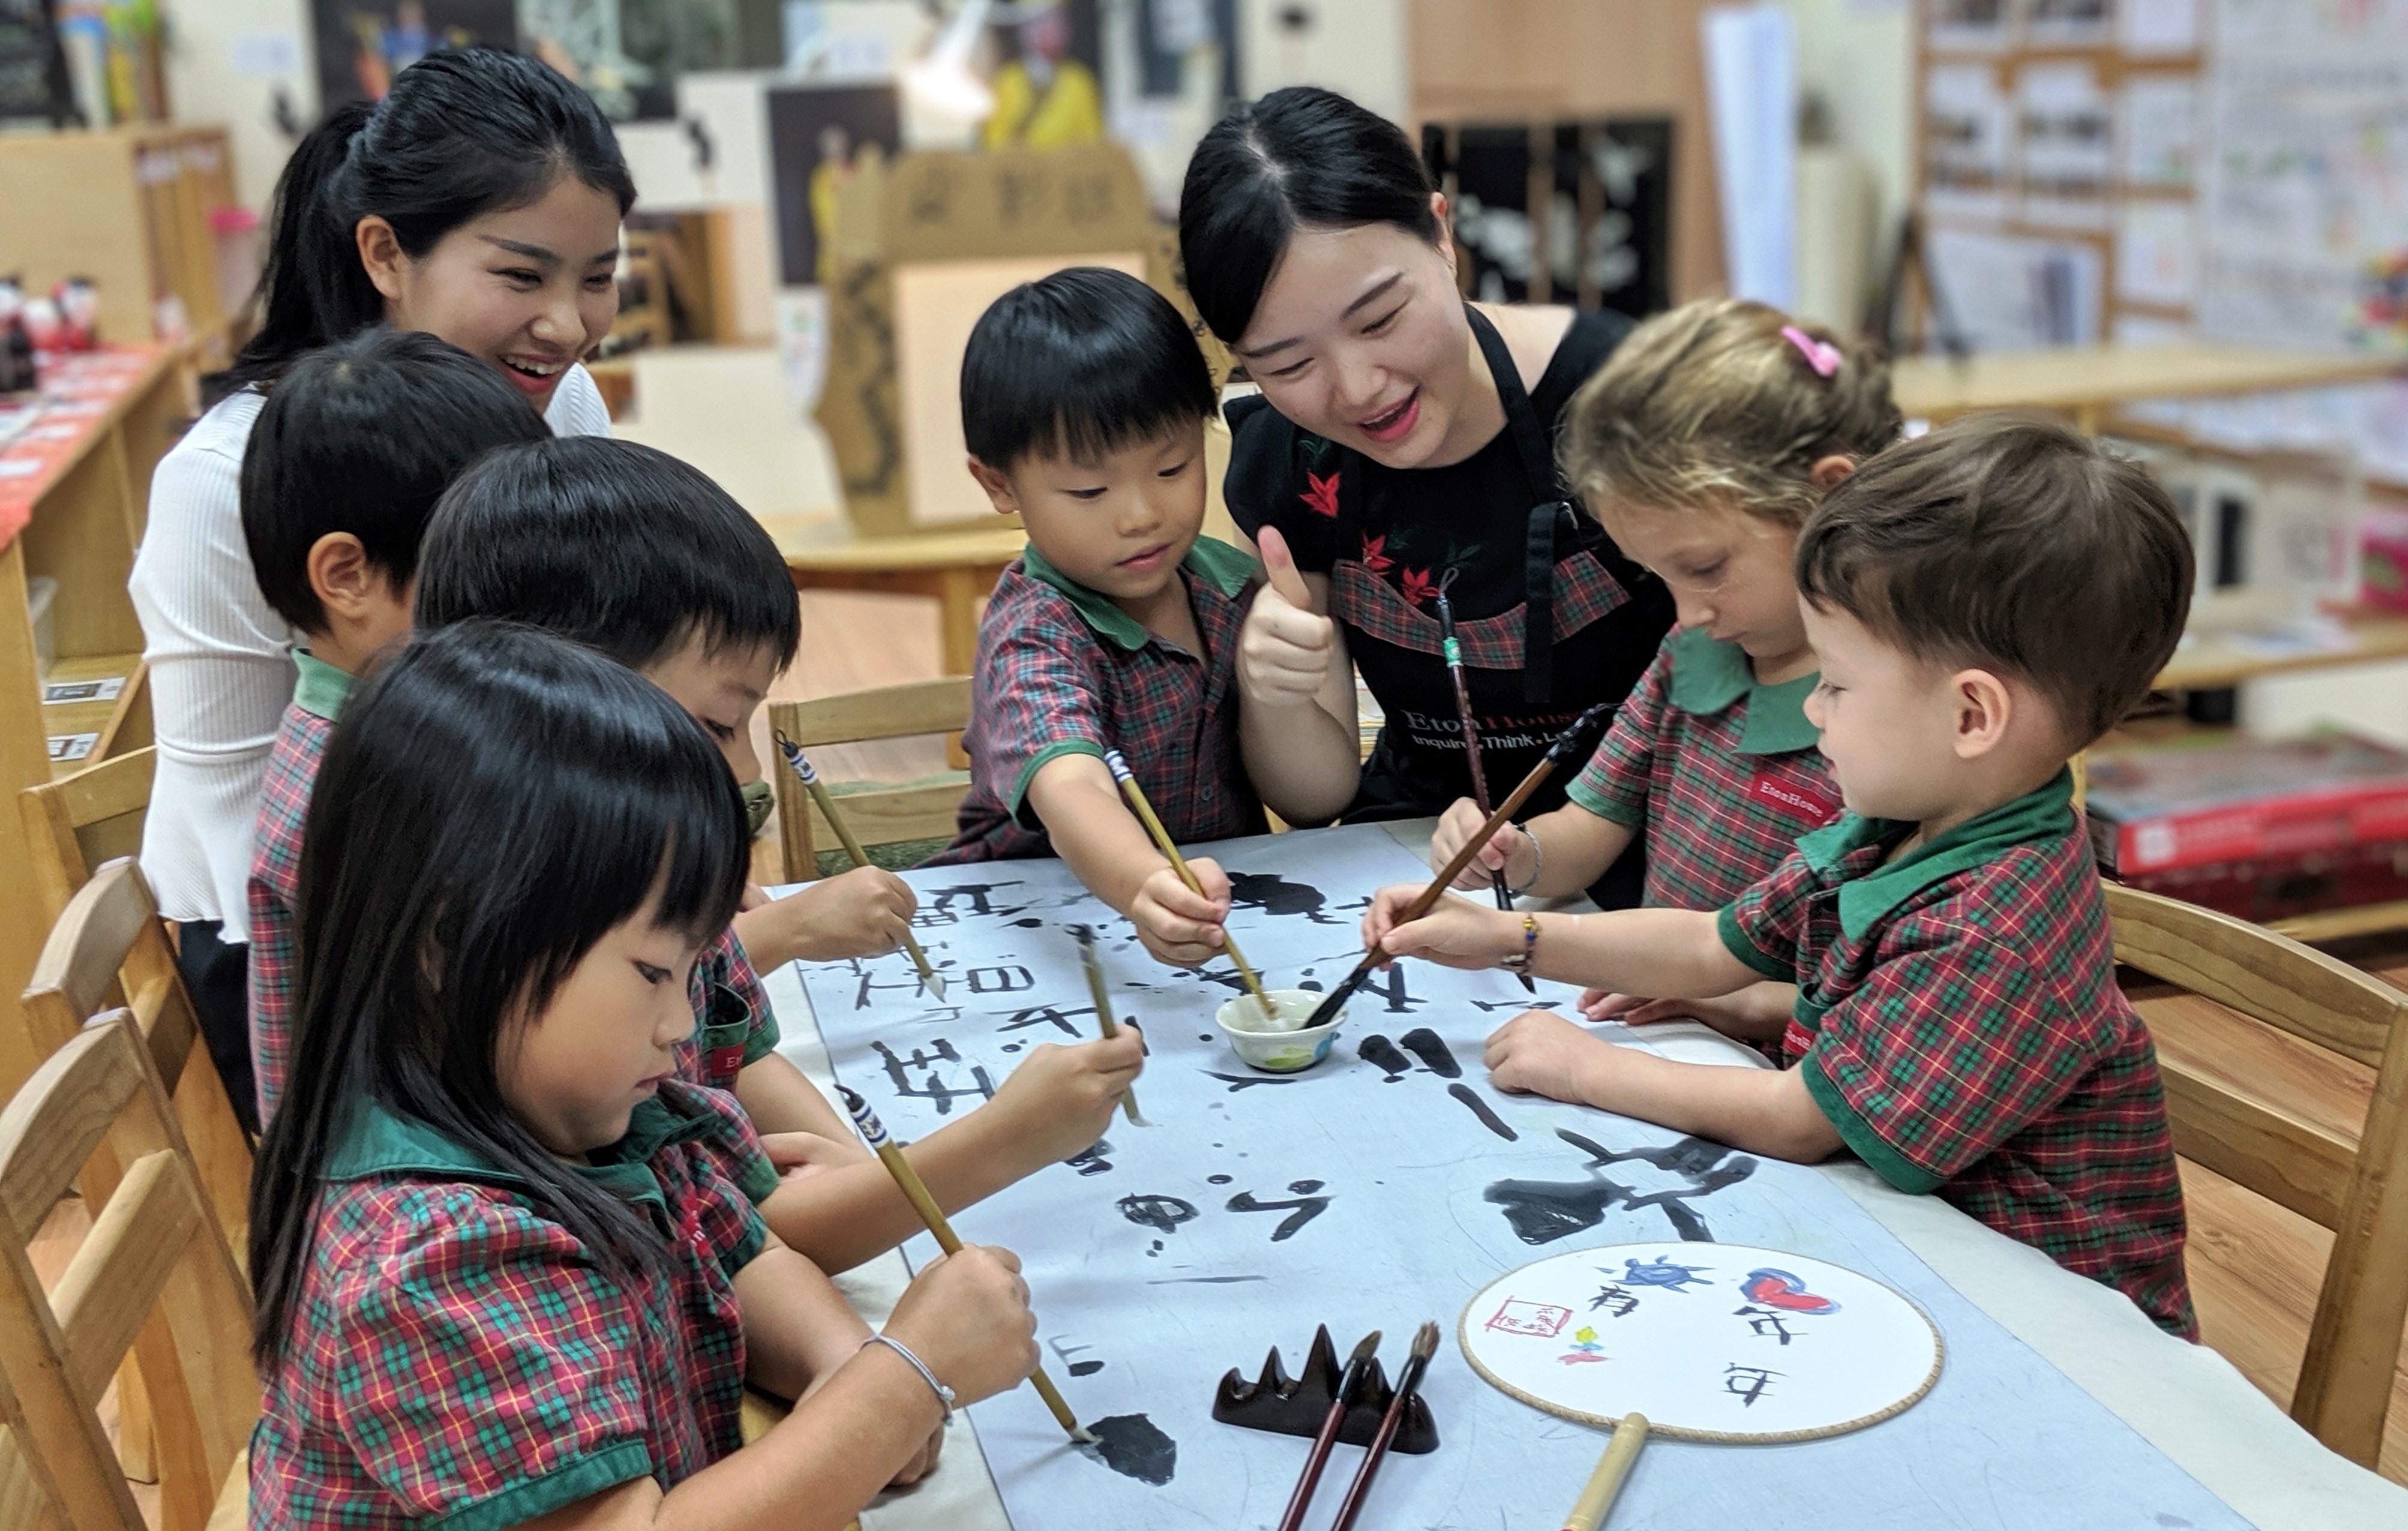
x,y
1531,689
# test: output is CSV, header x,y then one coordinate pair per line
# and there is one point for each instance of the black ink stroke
x,y
1424,1043
1130,1445
1381,1054
1488,1119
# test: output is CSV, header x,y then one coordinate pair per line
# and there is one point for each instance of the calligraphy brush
x,y
1408,1382
1559,753
1136,794
827,801
1103,997
1596,1499
1350,1383
1470,735
915,1191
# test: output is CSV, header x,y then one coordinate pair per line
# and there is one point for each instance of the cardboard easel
x,y
1011,210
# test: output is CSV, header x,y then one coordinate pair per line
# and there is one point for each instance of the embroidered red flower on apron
x,y
1320,494
1418,587
1375,557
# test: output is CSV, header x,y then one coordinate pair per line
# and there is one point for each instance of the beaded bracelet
x,y
1520,960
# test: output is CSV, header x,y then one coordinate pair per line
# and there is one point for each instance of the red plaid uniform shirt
x,y
275,887
458,1356
734,1026
1959,1021
1062,671
1723,773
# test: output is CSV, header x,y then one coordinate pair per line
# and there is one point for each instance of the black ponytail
x,y
461,132
1301,157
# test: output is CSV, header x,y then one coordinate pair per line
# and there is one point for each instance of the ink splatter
x,y
1276,896
1381,1054
1424,1043
1217,1179
1240,1081
1029,925
1165,1213
1480,1108
1086,1368
1204,1280
1131,1446
1203,1035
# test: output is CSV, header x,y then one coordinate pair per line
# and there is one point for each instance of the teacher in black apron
x,y
1403,443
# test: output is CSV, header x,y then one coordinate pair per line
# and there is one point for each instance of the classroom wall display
x,y
1652,1329
817,136
1388,1186
1577,212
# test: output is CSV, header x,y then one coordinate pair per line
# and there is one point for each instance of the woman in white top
x,y
480,201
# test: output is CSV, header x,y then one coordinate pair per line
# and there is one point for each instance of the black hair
x,y
491,805
1082,362
1299,158
618,546
362,437
461,134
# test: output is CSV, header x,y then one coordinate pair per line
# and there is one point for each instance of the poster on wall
x,y
816,134
361,44
2306,215
1600,239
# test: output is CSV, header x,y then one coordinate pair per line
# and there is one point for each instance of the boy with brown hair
x,y
1983,603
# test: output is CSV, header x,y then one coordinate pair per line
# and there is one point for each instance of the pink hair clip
x,y
1823,356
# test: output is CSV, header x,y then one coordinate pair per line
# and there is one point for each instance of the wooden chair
x,y
108,948
878,815
153,1279
2224,1118
78,821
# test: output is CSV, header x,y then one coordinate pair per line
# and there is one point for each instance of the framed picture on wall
x,y
361,44
1575,212
815,133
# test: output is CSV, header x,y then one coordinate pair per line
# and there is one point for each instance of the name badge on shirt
x,y
1768,788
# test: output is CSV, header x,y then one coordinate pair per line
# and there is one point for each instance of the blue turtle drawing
x,y
1661,1272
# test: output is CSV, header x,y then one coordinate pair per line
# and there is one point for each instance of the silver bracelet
x,y
944,1394
1537,859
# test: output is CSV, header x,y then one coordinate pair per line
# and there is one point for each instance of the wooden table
x,y
2087,382
87,496
956,568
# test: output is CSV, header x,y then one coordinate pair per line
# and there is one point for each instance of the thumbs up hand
x,y
1284,650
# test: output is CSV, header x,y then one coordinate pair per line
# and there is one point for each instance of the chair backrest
x,y
110,948
2359,1189
883,815
154,1279
78,821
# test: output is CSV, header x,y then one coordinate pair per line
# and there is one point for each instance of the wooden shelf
x,y
2088,382
2227,660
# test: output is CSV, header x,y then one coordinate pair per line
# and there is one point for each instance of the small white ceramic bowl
x,y
1287,1046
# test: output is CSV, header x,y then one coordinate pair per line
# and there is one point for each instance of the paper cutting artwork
x,y
1712,1341
1387,1185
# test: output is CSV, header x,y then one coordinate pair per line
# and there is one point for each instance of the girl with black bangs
x,y
506,1268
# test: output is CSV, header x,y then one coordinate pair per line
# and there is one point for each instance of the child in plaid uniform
x,y
1083,403
632,552
1983,603
505,1266
1703,444
345,463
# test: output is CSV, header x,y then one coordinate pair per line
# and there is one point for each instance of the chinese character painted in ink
x,y
1042,1015
943,900
1000,981
1748,1383
1618,1302
1161,1213
1301,1212
932,1088
1765,1322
